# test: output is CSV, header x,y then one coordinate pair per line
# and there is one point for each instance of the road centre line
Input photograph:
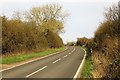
x,y
73,50
36,71
56,61
69,53
46,66
65,56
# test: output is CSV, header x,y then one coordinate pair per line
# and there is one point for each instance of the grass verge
x,y
88,66
23,57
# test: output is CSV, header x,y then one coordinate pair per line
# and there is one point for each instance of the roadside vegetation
x,y
105,51
32,33
87,69
88,65
23,57
106,54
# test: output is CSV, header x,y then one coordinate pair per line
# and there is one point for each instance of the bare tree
x,y
50,17
119,8
17,15
113,13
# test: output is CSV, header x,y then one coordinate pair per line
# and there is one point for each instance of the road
x,y
61,65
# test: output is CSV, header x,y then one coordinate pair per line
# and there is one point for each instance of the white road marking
x,y
65,56
46,66
69,53
36,71
77,74
56,61
73,50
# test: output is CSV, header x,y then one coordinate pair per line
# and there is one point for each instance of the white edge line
x,y
36,71
33,60
80,67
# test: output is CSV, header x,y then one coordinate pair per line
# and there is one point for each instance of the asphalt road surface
x,y
61,65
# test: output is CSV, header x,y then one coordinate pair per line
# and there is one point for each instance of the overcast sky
x,y
85,15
